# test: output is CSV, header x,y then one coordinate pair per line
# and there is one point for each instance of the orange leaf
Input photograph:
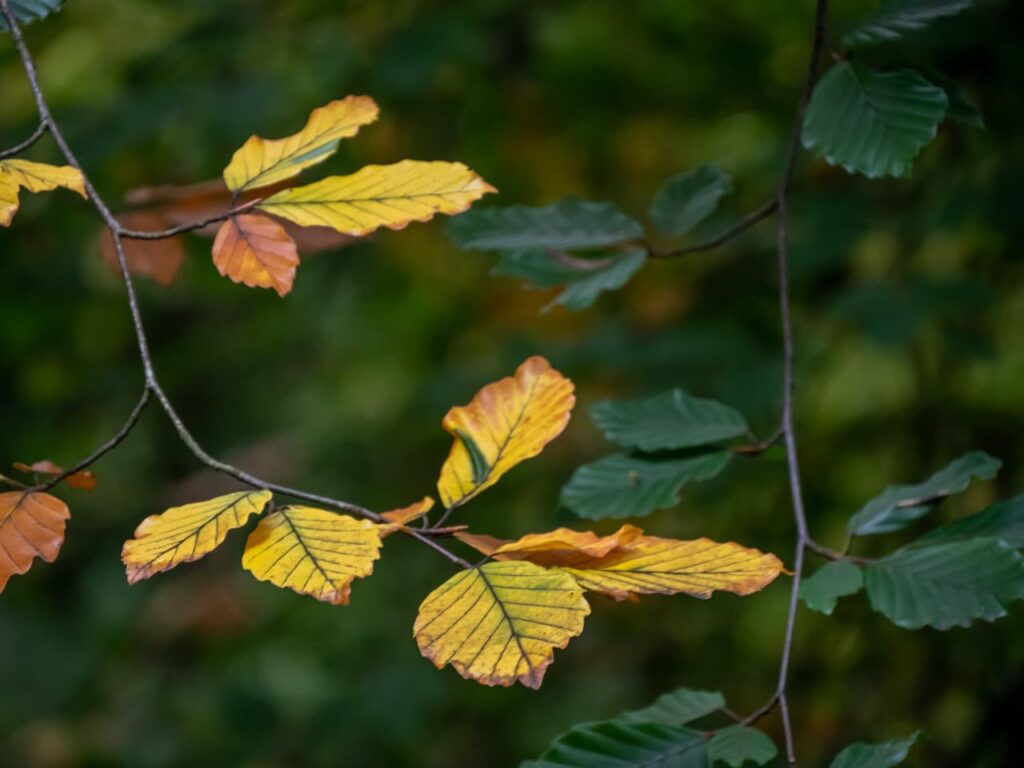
x,y
159,260
31,525
256,250
84,480
397,519
563,546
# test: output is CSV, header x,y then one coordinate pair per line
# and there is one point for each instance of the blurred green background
x,y
910,317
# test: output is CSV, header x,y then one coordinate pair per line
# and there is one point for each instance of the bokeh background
x,y
910,316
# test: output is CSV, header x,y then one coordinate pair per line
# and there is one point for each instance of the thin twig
x,y
136,234
757,447
738,229
37,134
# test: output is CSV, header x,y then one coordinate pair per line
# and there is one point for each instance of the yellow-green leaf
x,y
500,623
312,551
262,162
380,196
507,422
183,534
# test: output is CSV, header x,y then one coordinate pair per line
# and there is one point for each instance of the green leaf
x,y
687,199
895,19
584,279
614,744
737,744
677,707
899,505
566,224
946,585
870,122
622,485
1004,520
26,11
822,591
671,419
885,755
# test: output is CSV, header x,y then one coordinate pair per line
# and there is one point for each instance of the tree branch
x,y
738,229
37,134
135,234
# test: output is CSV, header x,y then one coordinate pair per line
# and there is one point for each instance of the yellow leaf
x,y
380,196
397,519
257,251
8,199
183,534
261,162
500,623
312,551
40,177
31,526
629,563
507,422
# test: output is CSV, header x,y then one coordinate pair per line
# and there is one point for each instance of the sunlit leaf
x,y
822,591
8,199
897,18
616,744
583,280
946,585
256,250
83,480
31,526
159,260
262,162
312,551
622,485
900,505
1004,520
380,196
35,177
884,755
183,534
671,419
397,519
687,199
737,745
562,546
500,623
26,11
507,422
564,225
677,707
873,123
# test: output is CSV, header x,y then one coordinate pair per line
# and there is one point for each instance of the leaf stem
x,y
17,149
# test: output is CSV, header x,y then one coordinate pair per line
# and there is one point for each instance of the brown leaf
x,y
31,526
84,480
159,260
256,250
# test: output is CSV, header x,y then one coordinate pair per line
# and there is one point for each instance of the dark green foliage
x,y
738,745
687,199
897,18
822,590
26,11
614,744
677,707
883,755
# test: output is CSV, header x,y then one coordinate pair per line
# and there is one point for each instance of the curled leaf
x,y
312,551
8,199
507,422
31,526
256,250
397,519
183,534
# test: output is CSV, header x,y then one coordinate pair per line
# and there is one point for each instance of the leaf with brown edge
x,y
500,623
256,250
187,533
637,564
83,480
261,162
507,422
159,260
312,551
380,196
397,519
42,177
31,526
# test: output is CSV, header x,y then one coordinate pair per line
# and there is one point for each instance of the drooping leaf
x,y
616,744
897,18
506,423
622,485
884,755
1003,520
8,200
900,505
677,707
31,526
84,480
312,551
187,533
583,280
562,546
35,177
159,260
397,519
671,419
822,591
262,162
737,745
499,623
256,250
26,11
687,199
567,224
946,585
870,122
380,196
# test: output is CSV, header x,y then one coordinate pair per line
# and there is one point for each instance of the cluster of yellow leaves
x,y
16,175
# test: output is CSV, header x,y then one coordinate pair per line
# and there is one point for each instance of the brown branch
x,y
135,234
17,149
735,231
152,383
